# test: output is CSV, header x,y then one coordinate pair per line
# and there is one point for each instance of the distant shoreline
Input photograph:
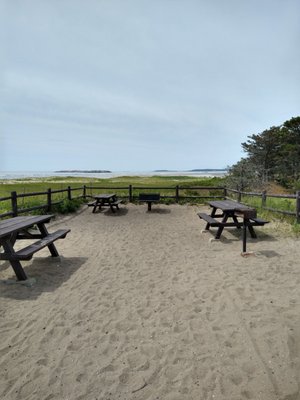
x,y
192,170
209,172
89,171
104,171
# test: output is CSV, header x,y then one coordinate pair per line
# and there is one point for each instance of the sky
x,y
140,85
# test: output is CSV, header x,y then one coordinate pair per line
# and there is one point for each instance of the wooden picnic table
x,y
105,200
27,227
228,217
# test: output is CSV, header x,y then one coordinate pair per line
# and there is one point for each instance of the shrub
x,y
68,206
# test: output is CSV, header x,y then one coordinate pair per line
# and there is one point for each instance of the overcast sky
x,y
143,84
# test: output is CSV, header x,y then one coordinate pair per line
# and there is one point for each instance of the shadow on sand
x,y
45,274
158,211
118,213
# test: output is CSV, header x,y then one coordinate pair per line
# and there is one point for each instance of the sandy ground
x,y
144,306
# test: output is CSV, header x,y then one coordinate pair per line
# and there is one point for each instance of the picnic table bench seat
x,y
27,252
254,221
259,221
116,203
212,222
113,203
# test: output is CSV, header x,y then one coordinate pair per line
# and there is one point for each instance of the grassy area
x,y
284,222
280,204
31,185
36,184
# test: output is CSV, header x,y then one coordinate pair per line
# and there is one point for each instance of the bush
x,y
68,206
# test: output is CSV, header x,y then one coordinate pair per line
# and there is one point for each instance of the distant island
x,y
90,171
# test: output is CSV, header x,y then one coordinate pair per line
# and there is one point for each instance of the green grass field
x,y
94,185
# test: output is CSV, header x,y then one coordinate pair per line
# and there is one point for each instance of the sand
x,y
144,306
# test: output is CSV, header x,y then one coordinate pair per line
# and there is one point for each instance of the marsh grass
x,y
281,223
280,204
96,185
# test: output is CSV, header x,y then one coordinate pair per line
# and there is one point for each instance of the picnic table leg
x,y
149,205
244,235
97,204
219,232
16,265
51,247
221,227
19,271
236,221
252,231
207,226
212,215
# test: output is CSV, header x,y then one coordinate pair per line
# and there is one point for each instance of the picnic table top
x,y
105,196
12,225
229,205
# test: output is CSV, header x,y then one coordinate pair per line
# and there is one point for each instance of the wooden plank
x,y
18,223
144,197
115,203
258,221
210,220
245,213
11,221
27,252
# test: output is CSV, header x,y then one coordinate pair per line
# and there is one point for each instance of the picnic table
x,y
229,216
105,200
27,227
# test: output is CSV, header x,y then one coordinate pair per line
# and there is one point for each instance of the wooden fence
x,y
47,205
130,193
264,196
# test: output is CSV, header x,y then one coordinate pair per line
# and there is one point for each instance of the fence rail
x,y
131,194
264,196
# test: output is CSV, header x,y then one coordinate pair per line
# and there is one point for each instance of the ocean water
x,y
42,174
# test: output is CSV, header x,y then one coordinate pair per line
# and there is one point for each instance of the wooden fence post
x,y
130,193
177,193
239,196
263,198
49,202
84,192
14,204
298,206
225,192
69,193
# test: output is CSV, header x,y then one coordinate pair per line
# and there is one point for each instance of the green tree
x,y
288,167
262,151
273,155
242,175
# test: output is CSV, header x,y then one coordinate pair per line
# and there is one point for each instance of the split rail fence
x,y
130,193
